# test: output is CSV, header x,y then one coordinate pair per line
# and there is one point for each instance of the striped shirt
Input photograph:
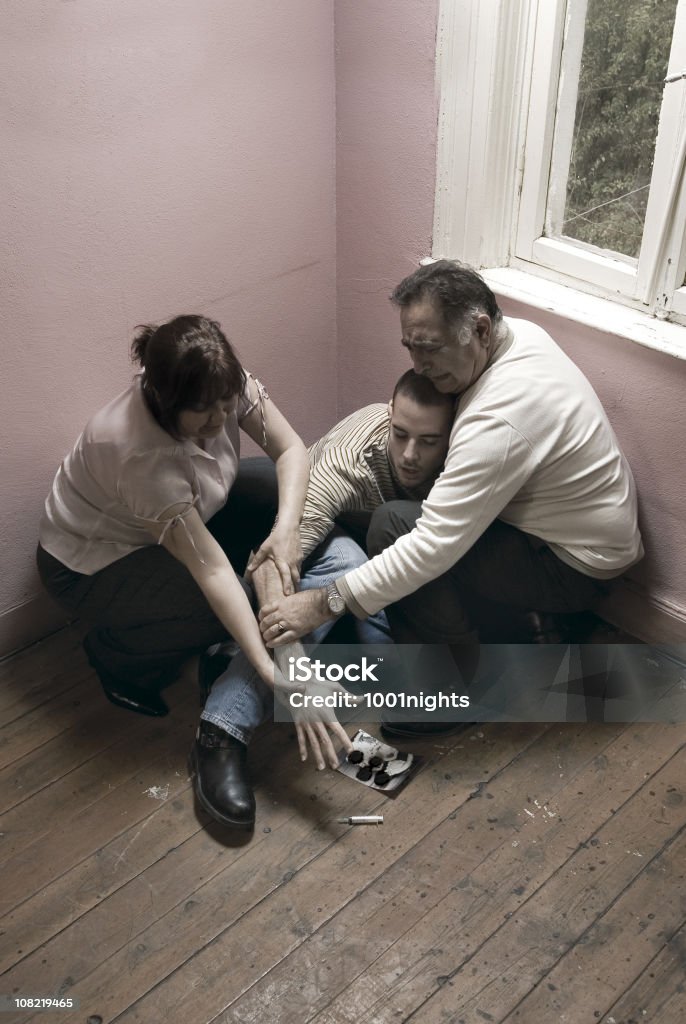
x,y
350,472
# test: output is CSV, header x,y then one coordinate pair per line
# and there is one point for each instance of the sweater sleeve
x,y
488,462
338,483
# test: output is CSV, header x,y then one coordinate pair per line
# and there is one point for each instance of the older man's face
x,y
437,354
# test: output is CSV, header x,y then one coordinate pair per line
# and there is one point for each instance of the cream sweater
x,y
531,444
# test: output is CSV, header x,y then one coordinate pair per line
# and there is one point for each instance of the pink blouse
x,y
125,471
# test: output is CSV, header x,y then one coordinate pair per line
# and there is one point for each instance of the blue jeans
x,y
240,700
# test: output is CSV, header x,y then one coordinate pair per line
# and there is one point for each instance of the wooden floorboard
x,y
659,992
39,674
529,874
514,844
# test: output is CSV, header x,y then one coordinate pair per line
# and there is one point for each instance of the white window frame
x,y
498,77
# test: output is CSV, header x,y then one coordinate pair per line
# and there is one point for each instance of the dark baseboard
x,y
27,623
648,618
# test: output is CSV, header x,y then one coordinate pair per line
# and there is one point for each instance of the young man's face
x,y
418,439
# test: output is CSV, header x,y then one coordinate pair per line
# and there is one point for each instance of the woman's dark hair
x,y
186,362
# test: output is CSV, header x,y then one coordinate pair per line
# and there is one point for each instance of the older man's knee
x,y
390,521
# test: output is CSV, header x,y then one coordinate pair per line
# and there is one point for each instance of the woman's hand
x,y
288,618
285,550
315,727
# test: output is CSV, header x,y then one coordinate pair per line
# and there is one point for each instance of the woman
x,y
124,523
135,539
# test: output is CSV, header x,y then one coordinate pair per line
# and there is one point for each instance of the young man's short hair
x,y
421,390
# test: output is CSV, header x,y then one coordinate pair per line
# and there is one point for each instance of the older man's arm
x,y
485,468
488,463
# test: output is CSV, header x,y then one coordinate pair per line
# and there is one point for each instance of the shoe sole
x,y
129,704
243,826
116,697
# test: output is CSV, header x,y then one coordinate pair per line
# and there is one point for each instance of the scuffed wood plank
x,y
221,969
658,995
235,881
88,807
34,675
97,728
587,980
56,715
394,921
105,901
498,971
497,874
165,830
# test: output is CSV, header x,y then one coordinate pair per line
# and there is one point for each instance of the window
x,y
562,144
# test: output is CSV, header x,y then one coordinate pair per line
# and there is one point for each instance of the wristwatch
x,y
333,599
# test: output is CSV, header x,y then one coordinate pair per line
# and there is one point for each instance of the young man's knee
x,y
390,521
335,556
345,553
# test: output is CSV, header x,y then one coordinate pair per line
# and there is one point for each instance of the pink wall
x,y
179,156
160,157
386,116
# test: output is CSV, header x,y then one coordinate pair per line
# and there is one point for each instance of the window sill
x,y
600,314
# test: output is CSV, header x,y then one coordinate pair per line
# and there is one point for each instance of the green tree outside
x,y
624,63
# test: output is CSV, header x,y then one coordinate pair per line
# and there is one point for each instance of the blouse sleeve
x,y
253,395
151,483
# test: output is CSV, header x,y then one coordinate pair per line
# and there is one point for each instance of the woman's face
x,y
203,422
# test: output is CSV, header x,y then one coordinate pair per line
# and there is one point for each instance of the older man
x,y
536,507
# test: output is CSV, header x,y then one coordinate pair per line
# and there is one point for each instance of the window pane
x,y
624,61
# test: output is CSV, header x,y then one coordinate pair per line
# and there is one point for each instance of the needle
x,y
362,819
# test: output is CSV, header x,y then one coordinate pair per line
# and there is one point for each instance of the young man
x,y
379,454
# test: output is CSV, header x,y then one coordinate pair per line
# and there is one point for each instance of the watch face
x,y
335,601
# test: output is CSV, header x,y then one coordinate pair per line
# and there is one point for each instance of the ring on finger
x,y
281,626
